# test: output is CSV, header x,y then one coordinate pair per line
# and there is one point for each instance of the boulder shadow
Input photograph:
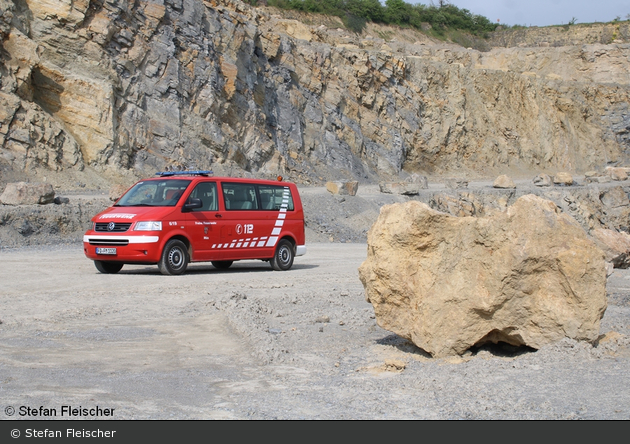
x,y
501,349
402,344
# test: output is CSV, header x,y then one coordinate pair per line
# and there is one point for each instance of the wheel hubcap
x,y
175,257
284,255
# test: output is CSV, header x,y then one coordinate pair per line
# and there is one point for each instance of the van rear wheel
x,y
108,267
174,258
282,260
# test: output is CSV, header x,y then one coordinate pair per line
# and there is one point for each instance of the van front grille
x,y
112,227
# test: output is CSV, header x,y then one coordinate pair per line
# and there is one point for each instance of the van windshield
x,y
154,193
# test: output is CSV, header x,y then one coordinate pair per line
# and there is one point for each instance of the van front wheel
x,y
282,260
174,258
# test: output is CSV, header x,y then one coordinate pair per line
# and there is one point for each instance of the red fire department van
x,y
181,217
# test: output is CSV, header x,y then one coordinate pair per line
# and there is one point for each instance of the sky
x,y
543,12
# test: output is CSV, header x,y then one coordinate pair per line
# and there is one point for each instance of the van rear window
x,y
272,197
244,196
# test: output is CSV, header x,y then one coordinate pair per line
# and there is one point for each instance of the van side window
x,y
240,196
273,197
207,192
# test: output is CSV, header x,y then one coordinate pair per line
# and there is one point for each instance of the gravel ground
x,y
252,343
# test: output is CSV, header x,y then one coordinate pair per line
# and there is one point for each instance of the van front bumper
x,y
127,248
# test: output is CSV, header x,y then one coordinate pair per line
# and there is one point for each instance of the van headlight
x,y
148,226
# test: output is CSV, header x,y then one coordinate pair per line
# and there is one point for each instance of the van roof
x,y
176,174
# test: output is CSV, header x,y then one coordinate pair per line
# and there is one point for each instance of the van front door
x,y
205,223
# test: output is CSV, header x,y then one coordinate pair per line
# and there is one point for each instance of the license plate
x,y
100,250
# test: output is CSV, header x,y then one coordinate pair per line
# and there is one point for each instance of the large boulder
x,y
504,182
343,187
615,245
24,193
410,187
563,178
527,276
404,188
596,177
455,183
619,173
116,191
614,198
543,180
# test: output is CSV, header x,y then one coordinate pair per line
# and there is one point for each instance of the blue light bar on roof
x,y
183,173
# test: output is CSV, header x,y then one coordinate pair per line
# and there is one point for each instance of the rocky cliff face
x,y
112,89
565,35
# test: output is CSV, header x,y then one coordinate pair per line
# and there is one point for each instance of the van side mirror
x,y
191,205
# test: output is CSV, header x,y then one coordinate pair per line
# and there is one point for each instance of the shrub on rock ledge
x,y
528,276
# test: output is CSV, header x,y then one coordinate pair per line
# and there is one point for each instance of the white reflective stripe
x,y
130,239
265,241
282,214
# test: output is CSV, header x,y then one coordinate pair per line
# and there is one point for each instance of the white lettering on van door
x,y
245,229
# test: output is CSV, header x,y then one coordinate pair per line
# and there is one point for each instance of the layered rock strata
x,y
165,84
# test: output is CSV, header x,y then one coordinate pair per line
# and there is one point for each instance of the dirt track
x,y
252,343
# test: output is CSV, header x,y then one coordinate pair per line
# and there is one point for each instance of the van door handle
x,y
218,215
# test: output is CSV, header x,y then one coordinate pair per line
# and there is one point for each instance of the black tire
x,y
174,258
108,267
282,260
222,265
